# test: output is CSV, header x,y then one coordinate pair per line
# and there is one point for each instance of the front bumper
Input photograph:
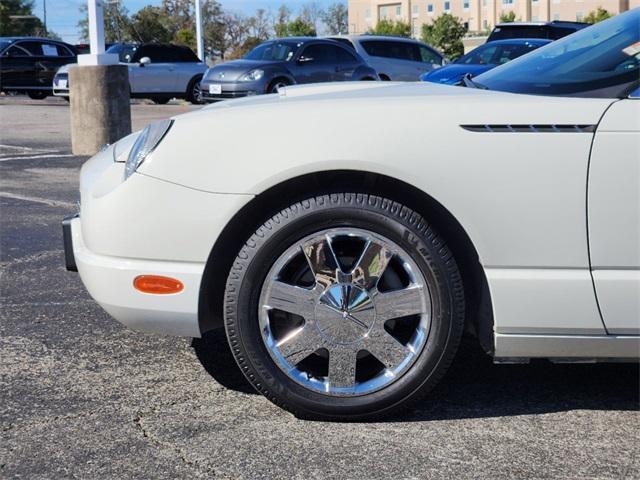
x,y
229,90
109,280
143,226
61,85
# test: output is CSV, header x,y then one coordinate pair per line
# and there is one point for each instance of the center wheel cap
x,y
344,314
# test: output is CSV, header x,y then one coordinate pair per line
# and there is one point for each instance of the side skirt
x,y
512,347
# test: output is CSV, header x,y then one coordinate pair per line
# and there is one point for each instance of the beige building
x,y
480,15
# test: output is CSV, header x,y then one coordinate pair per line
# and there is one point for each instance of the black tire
x,y
276,84
160,100
37,95
193,91
378,215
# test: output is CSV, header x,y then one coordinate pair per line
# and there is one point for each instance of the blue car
x,y
483,58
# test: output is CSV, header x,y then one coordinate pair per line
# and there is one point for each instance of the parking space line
x,y
45,201
34,157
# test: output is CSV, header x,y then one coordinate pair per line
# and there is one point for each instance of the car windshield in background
x,y
273,51
599,61
497,54
125,52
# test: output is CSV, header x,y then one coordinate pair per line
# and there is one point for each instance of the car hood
x,y
359,125
233,70
453,73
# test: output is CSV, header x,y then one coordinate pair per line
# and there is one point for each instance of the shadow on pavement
x,y
475,388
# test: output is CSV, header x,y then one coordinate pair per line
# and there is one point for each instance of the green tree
x,y
297,28
445,33
389,27
186,37
150,24
116,23
336,19
597,15
10,22
283,17
508,17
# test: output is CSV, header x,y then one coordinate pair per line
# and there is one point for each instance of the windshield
x,y
125,52
4,44
599,61
273,51
497,54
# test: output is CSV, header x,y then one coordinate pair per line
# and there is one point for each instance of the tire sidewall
x,y
380,216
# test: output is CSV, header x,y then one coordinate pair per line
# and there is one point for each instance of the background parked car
x,y
551,30
395,58
28,64
156,71
282,62
483,58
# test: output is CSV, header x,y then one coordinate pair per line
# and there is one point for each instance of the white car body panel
x,y
614,217
520,197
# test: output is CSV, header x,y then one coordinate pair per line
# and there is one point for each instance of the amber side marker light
x,y
157,284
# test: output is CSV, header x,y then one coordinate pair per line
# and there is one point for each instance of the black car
x,y
28,64
549,30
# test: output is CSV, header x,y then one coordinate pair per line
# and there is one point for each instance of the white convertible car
x,y
347,235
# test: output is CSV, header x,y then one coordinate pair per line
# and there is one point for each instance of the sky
x,y
63,15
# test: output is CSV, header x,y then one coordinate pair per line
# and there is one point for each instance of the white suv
x,y
395,58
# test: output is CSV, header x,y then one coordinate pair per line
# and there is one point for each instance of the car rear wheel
x,y
37,95
344,306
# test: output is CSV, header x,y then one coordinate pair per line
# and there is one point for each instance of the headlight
x,y
252,76
148,139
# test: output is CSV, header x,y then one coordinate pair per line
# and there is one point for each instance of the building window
x,y
367,13
507,2
415,9
556,16
398,11
465,4
484,3
579,16
447,6
383,13
485,24
430,9
534,18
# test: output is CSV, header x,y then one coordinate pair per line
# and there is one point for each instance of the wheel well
x,y
384,78
479,317
278,78
193,80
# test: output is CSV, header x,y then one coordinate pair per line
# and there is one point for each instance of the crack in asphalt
x,y
137,420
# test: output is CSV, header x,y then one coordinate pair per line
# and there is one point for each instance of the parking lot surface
x,y
83,397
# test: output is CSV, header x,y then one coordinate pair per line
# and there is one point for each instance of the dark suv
x,y
549,30
27,64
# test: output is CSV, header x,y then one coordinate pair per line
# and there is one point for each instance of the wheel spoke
x,y
371,265
342,367
299,344
399,303
382,345
292,299
322,261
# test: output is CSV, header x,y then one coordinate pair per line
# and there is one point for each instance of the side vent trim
x,y
530,128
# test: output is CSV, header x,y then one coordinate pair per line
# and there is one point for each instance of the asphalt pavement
x,y
83,397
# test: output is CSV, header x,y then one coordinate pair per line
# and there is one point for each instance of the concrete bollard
x,y
100,106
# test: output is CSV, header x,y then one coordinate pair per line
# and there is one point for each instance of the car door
x,y
17,68
614,216
158,76
345,65
428,59
46,61
316,63
393,58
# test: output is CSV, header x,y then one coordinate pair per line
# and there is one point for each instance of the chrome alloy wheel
x,y
344,312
